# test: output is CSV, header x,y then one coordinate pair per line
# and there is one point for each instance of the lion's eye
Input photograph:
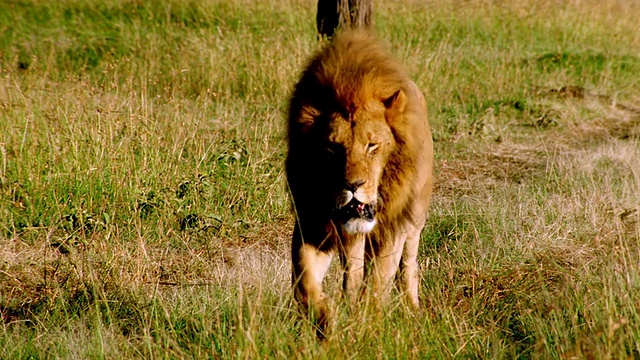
x,y
371,148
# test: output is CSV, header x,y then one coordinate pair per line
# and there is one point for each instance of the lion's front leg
x,y
409,270
385,263
310,265
352,260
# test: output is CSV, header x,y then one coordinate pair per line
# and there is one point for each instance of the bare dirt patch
x,y
613,119
485,165
473,171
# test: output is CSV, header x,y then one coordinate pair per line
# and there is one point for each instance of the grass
x,y
143,209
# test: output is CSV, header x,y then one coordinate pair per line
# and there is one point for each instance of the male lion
x,y
359,169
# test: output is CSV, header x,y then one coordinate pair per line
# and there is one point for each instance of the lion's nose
x,y
353,185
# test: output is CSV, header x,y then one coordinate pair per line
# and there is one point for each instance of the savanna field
x,y
144,211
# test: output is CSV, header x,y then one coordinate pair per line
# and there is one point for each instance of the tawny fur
x,y
356,117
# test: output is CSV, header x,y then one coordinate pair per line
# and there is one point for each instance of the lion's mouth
x,y
354,209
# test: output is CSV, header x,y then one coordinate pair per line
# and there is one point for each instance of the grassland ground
x,y
143,209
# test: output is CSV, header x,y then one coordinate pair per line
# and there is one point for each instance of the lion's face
x,y
358,145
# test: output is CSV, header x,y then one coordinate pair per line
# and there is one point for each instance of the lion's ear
x,y
306,117
396,103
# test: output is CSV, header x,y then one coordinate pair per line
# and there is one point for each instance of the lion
x,y
359,169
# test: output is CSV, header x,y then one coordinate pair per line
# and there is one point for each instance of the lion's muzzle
x,y
355,216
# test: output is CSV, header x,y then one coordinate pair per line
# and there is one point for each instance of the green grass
x,y
144,213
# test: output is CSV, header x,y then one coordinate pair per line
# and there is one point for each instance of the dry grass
x,y
143,210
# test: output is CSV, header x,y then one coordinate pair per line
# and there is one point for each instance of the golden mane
x,y
356,68
352,70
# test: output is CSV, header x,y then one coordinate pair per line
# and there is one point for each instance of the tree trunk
x,y
342,14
